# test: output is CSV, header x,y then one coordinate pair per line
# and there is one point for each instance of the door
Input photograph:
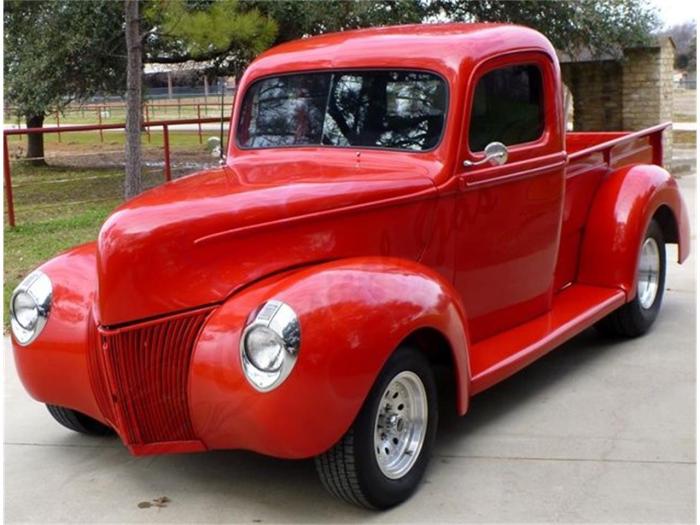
x,y
508,216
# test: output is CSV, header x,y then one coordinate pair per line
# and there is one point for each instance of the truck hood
x,y
193,241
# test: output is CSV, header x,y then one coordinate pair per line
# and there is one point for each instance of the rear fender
x,y
622,208
353,314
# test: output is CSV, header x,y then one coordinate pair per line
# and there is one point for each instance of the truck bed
x,y
592,155
617,148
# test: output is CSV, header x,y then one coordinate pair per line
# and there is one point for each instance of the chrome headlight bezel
x,y
36,287
278,318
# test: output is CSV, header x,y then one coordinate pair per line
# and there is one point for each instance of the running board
x,y
573,310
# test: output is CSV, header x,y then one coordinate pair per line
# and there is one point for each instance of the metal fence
x,y
164,125
108,112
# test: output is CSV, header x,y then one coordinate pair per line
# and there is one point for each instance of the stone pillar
x,y
647,89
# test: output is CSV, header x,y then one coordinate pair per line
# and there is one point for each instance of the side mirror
x,y
495,154
214,146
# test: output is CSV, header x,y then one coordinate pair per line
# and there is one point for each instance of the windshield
x,y
383,109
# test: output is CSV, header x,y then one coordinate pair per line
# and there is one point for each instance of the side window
x,y
508,107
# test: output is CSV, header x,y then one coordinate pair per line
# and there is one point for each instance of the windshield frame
x,y
333,71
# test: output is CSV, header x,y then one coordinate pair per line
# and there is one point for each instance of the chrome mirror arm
x,y
495,154
486,160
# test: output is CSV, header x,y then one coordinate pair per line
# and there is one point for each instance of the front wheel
x,y
78,422
636,317
380,461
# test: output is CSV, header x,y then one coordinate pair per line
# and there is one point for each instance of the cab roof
x,y
439,47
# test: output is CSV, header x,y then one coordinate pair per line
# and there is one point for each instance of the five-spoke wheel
x,y
400,425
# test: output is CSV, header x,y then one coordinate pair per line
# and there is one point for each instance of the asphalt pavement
x,y
596,431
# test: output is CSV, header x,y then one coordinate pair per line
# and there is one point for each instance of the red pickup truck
x,y
395,203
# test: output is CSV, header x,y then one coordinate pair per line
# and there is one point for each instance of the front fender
x,y
353,313
620,214
54,368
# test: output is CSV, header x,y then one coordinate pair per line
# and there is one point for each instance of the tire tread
x,y
629,321
337,471
78,422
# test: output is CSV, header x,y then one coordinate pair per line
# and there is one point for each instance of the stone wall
x,y
628,94
597,94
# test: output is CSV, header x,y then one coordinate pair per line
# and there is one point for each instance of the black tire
x,y
350,469
632,319
79,422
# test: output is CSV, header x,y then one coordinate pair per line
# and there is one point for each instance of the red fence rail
x,y
151,107
165,124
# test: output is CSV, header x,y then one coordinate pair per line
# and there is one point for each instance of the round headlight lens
x,y
265,349
25,310
30,306
270,345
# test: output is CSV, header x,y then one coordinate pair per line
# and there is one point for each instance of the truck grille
x,y
139,376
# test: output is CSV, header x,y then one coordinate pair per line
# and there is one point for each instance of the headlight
x,y
269,345
265,349
30,306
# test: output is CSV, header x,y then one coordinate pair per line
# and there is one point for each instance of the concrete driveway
x,y
597,431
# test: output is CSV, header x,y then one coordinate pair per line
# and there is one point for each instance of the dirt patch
x,y
159,503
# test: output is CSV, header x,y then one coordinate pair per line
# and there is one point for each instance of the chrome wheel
x,y
401,424
648,272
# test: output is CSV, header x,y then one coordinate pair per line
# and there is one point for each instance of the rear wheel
x,y
78,422
380,461
636,317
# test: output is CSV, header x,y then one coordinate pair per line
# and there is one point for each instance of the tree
x,y
692,54
683,36
58,52
226,34
133,184
595,25
598,26
297,19
179,31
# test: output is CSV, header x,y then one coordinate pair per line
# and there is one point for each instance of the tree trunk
x,y
133,185
35,141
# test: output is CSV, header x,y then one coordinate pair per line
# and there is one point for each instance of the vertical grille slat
x,y
97,374
149,365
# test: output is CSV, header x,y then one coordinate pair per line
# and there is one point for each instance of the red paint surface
x,y
503,263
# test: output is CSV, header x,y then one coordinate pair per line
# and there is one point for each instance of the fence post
x,y
99,119
8,184
19,125
166,152
148,128
199,123
58,125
